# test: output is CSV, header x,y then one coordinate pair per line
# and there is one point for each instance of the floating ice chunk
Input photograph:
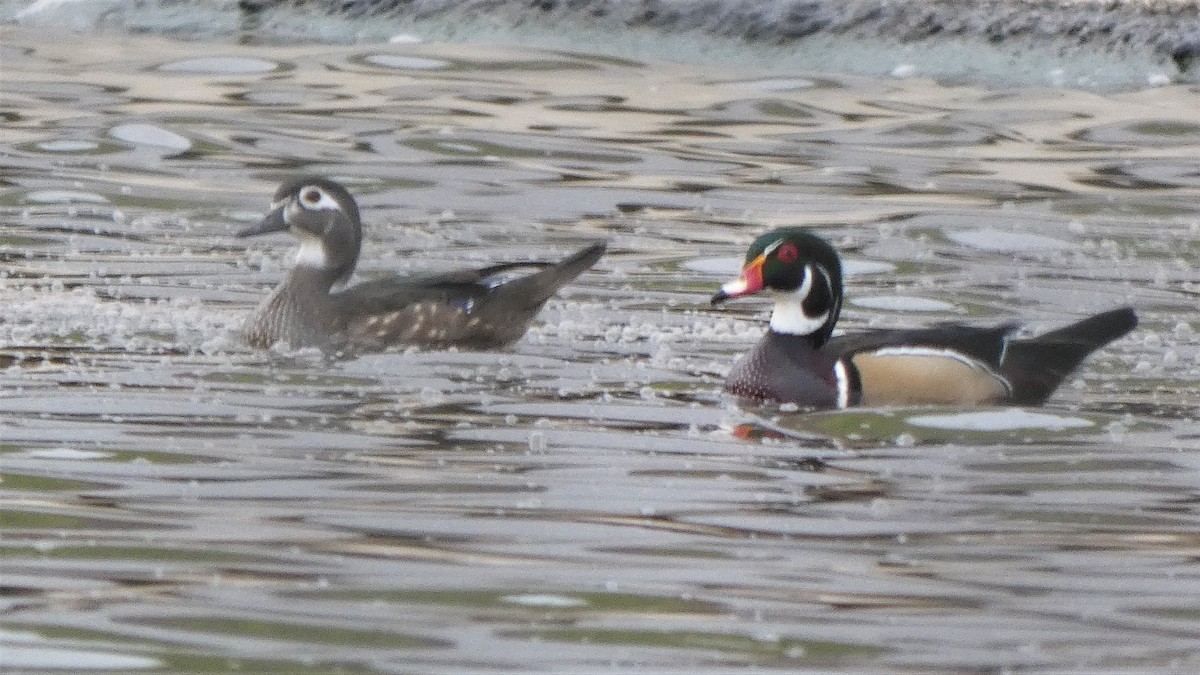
x,y
223,65
405,39
904,70
406,62
732,266
41,6
544,600
460,147
788,84
721,266
21,657
68,145
856,267
1158,79
67,453
903,303
148,134
65,197
1008,419
1006,242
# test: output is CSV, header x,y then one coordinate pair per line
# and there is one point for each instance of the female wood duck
x,y
798,362
478,309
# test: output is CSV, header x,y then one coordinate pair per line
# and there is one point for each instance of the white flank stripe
x,y
843,383
932,351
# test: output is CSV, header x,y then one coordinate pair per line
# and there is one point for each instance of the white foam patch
x,y
222,65
148,134
406,62
65,197
1008,419
996,241
903,303
545,600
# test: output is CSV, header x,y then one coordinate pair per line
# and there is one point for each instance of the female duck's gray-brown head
x,y
804,275
324,217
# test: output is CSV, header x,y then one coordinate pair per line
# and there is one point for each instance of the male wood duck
x,y
798,362
476,309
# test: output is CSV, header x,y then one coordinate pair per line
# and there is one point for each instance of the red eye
x,y
787,253
311,197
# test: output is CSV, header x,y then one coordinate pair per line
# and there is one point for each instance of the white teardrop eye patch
x,y
311,196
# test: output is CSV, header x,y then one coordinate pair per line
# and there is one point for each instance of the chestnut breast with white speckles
x,y
785,369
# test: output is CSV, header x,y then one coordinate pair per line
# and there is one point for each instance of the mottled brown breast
x,y
914,377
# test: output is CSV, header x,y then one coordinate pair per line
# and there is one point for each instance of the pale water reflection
x,y
588,499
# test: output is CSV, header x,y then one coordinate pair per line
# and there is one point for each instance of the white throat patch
x,y
311,253
788,316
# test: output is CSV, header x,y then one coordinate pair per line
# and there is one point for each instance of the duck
x,y
799,361
316,306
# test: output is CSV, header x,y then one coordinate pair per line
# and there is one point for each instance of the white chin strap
x,y
789,317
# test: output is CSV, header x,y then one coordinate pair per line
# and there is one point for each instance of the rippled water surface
x,y
586,499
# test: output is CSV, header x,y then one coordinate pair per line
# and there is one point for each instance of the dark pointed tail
x,y
1036,366
537,288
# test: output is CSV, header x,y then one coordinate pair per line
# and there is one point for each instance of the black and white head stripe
x,y
792,308
811,307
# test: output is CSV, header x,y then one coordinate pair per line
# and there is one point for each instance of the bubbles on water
x,y
537,442
1117,431
431,397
